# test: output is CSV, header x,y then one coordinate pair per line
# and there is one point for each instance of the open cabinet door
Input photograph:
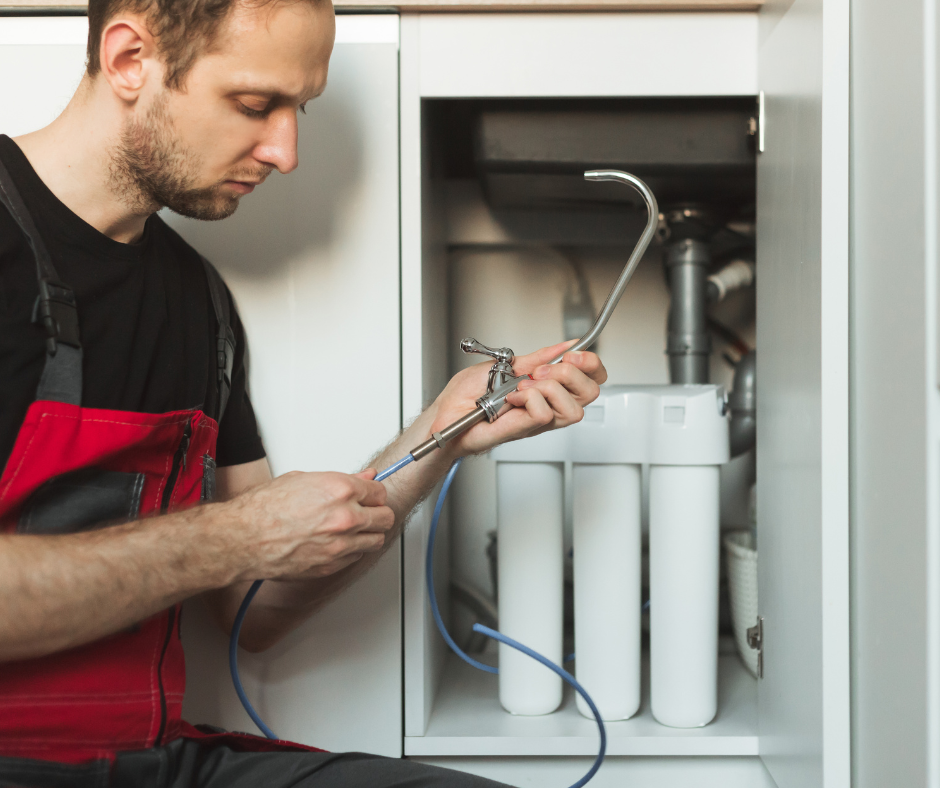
x,y
803,391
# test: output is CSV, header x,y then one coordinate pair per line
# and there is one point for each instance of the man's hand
x,y
317,538
554,398
309,525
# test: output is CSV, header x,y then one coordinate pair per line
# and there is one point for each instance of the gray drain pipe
x,y
688,343
743,405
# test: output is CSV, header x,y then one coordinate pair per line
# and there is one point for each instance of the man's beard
x,y
151,169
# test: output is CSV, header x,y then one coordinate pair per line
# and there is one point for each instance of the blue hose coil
x,y
233,660
567,677
436,613
240,619
429,576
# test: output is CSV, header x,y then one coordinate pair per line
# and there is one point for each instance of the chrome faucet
x,y
502,379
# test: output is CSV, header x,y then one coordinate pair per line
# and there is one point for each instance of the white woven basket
x,y
742,587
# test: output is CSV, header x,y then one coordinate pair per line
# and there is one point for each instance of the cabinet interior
x,y
517,249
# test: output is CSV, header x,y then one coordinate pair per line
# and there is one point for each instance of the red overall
x,y
124,691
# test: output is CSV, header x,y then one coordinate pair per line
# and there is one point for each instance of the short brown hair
x,y
183,29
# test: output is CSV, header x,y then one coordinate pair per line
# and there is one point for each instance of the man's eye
x,y
251,113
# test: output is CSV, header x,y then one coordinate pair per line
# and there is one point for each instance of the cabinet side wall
x,y
890,386
803,387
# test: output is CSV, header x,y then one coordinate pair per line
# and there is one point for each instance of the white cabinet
x,y
896,400
314,262
803,390
792,727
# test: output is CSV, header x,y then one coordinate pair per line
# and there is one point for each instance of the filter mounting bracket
x,y
755,639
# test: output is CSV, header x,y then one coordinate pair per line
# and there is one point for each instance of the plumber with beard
x,y
134,477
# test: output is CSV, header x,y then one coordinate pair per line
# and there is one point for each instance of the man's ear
x,y
128,57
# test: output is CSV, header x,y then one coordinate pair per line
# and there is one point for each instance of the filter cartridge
x,y
531,582
607,587
684,553
682,433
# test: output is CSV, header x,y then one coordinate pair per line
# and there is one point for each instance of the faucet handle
x,y
503,354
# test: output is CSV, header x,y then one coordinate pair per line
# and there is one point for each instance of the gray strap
x,y
55,309
225,339
61,379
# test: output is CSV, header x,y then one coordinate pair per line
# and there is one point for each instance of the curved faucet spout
x,y
639,250
489,405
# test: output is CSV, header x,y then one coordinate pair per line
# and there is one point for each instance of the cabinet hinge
x,y
755,639
761,122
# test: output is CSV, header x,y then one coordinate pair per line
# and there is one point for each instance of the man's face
x,y
197,151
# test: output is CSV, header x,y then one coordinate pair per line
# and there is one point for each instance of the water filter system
x,y
681,432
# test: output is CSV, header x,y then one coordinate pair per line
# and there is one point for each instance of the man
x,y
122,385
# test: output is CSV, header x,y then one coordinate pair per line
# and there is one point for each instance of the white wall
x,y
312,259
42,60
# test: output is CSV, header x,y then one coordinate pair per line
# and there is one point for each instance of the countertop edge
x,y
461,6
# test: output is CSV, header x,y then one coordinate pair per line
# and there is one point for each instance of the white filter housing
x,y
682,432
635,425
684,554
608,587
531,583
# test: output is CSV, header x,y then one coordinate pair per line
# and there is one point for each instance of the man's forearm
x,y
57,592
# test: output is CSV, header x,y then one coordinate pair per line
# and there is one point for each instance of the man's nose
x,y
278,148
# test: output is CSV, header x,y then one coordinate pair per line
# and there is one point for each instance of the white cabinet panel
x,y
313,261
802,339
634,772
42,60
895,451
632,54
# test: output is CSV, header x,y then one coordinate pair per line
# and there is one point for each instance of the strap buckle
x,y
57,311
225,360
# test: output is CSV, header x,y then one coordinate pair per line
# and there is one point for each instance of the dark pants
x,y
186,763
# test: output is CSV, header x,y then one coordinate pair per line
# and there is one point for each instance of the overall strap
x,y
225,339
55,309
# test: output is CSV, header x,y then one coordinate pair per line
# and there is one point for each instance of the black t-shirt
x,y
144,312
